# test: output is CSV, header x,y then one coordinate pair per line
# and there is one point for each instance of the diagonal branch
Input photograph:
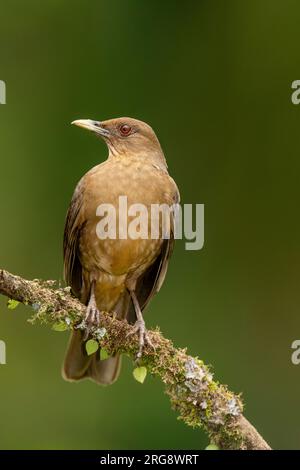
x,y
199,400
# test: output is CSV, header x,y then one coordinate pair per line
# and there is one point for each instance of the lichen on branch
x,y
199,400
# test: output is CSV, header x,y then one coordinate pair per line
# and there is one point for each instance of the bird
x,y
118,275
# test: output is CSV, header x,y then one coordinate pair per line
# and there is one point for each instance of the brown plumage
x,y
115,275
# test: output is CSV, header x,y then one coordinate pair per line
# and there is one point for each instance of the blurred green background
x,y
213,78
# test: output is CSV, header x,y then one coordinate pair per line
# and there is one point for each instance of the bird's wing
x,y
73,226
152,279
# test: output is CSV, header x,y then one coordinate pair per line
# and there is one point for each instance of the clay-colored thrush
x,y
118,275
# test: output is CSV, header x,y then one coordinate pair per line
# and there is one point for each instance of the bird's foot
x,y
140,328
91,320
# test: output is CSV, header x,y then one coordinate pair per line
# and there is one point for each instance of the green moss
x,y
199,400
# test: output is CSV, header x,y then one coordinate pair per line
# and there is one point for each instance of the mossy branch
x,y
199,399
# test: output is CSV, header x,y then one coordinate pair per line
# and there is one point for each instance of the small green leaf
x,y
60,326
212,447
91,346
12,304
103,354
140,373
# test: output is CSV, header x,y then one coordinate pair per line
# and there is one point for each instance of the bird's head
x,y
126,137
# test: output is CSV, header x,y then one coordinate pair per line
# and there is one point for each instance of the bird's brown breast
x,y
141,183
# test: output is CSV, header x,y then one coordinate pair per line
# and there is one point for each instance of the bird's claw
x,y
92,320
140,328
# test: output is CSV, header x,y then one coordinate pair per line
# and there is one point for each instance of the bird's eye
x,y
125,129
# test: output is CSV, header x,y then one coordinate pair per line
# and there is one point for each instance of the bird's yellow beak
x,y
90,125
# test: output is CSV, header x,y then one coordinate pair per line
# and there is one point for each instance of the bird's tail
x,y
78,365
